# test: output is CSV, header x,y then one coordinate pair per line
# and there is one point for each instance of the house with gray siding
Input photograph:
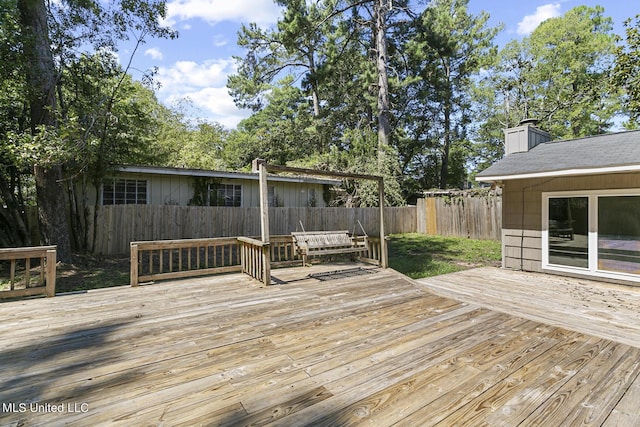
x,y
151,185
570,207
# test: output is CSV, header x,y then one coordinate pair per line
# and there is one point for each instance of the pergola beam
x,y
331,174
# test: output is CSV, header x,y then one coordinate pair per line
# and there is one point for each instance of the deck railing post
x,y
51,259
133,272
266,265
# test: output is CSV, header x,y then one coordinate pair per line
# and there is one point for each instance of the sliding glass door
x,y
619,234
595,232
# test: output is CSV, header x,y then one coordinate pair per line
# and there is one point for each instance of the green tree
x,y
559,75
13,173
41,81
281,132
98,133
449,49
338,56
49,40
626,73
295,47
202,147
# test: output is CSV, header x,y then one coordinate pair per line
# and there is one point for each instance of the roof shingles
x,y
614,150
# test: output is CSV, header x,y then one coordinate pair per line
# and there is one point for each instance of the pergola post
x,y
384,258
264,220
264,203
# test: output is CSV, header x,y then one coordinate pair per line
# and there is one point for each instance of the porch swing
x,y
317,243
256,257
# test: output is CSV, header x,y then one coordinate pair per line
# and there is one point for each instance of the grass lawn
x,y
415,255
92,272
419,255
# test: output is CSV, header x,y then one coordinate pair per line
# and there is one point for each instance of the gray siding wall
x,y
522,212
178,190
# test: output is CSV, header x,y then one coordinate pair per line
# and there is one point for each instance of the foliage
x,y
626,73
280,132
295,45
101,133
359,154
555,75
338,92
201,146
70,115
449,49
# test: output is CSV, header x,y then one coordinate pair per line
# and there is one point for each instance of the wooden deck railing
x,y
173,259
256,259
20,282
283,251
374,255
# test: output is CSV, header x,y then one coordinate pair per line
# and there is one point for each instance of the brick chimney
x,y
524,137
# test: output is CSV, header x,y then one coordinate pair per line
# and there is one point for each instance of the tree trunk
x,y
52,210
444,171
384,128
75,222
41,79
448,107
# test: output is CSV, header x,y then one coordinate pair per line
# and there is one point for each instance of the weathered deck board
x,y
368,347
601,309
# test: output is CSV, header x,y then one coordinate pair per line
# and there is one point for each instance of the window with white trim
x,y
593,232
225,195
124,192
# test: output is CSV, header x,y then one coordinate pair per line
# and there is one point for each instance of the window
x,y
569,231
272,199
619,234
594,232
124,192
225,195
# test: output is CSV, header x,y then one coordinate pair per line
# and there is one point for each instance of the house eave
x,y
221,174
561,173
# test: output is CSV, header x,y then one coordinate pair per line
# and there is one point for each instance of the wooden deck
x,y
364,346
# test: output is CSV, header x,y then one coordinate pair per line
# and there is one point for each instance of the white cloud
x,y
218,103
220,40
189,74
263,12
154,53
531,22
205,86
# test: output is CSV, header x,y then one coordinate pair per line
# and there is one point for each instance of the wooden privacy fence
x,y
173,259
119,225
18,264
470,215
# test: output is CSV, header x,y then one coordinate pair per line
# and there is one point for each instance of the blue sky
x,y
196,65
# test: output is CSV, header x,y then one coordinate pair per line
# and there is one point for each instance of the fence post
x,y
133,273
51,259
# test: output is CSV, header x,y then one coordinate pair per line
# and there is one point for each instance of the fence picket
x,y
121,224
